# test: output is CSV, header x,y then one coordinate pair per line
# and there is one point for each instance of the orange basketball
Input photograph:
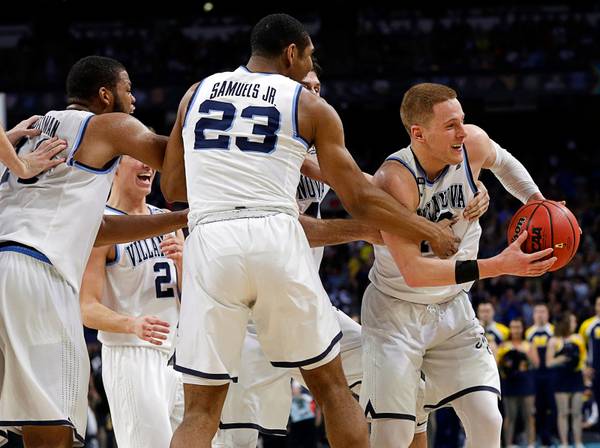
x,y
548,224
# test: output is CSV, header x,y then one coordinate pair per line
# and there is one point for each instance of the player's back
x,y
242,150
58,212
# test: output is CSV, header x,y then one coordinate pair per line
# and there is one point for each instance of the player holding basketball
x,y
416,313
130,292
48,225
245,136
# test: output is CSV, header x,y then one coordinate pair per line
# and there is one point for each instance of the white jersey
x,y
141,281
59,212
309,196
242,149
446,196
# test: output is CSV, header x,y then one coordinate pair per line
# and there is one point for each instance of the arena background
x,y
528,74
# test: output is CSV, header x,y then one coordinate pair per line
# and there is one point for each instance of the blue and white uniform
x,y
247,254
145,395
261,398
48,225
407,330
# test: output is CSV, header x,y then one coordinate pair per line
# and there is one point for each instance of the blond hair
x,y
418,101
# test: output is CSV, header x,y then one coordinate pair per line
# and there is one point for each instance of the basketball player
x,y
48,225
245,135
130,292
260,400
416,314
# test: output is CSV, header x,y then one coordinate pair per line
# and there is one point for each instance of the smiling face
x,y
444,133
134,178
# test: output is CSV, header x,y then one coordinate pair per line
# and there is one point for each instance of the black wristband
x,y
466,271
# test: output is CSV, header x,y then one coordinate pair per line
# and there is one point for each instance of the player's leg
x,y
480,416
260,399
47,436
392,356
297,326
45,362
419,441
461,369
136,388
236,438
214,315
345,423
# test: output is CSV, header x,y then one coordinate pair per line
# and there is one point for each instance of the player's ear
x,y
416,132
106,97
290,54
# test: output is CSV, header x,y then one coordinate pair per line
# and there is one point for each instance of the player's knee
x,y
392,433
490,422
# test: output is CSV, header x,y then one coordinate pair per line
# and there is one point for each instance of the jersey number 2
x,y
164,269
268,131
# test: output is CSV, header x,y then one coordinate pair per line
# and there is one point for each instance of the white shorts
x,y
401,339
145,395
44,364
262,397
261,266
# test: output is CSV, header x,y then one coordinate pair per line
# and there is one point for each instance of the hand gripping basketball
x,y
516,262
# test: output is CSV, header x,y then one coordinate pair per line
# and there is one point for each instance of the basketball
x,y
548,224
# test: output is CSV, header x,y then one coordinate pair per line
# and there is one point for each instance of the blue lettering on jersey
x,y
243,89
452,197
139,251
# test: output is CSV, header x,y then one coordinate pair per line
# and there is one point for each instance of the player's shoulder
x,y
587,324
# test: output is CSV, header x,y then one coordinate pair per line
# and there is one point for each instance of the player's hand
x,y
42,158
151,329
479,204
513,261
172,247
23,130
446,243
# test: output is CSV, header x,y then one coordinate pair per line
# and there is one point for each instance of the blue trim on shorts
x,y
270,432
11,246
461,393
44,423
353,385
311,360
370,411
208,376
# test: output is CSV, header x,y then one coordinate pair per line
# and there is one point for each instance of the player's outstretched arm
x,y
172,179
114,134
363,200
116,229
98,316
329,232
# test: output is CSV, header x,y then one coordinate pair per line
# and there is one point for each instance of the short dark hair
x,y
317,68
275,32
91,73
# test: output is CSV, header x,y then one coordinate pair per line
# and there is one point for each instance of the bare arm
x,y
172,247
113,134
328,232
321,124
98,316
533,355
125,228
419,271
172,179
